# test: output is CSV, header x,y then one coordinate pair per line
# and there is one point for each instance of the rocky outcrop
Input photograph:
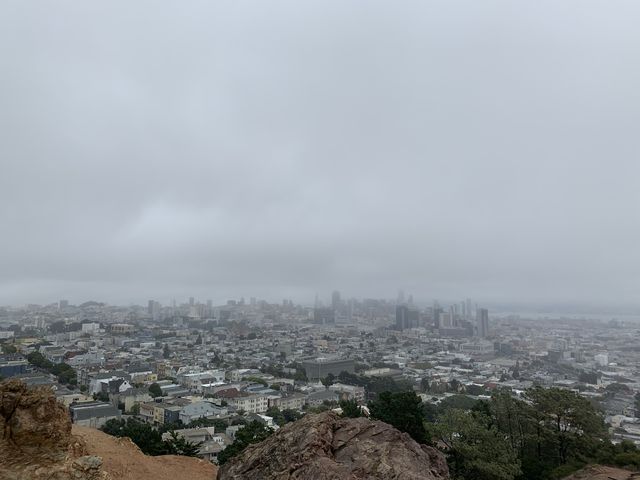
x,y
36,440
329,447
599,472
38,443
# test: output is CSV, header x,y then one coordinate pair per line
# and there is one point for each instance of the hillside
x,y
123,460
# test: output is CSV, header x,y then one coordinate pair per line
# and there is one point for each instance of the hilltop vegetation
x,y
547,434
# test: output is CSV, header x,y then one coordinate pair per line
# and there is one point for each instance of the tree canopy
x,y
155,390
253,432
403,410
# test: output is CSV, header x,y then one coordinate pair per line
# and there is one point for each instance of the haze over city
x,y
284,149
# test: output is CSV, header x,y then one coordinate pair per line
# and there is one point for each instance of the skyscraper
x,y
402,316
335,300
482,318
406,317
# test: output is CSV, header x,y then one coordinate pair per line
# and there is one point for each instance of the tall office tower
x,y
402,317
482,318
452,316
437,320
410,299
463,310
191,301
324,316
335,300
437,312
414,318
407,317
469,312
150,307
400,297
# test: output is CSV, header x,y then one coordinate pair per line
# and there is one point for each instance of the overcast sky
x,y
157,149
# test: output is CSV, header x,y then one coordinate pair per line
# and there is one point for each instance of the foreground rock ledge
x,y
327,447
38,443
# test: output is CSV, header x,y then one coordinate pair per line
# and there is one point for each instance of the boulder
x,y
329,447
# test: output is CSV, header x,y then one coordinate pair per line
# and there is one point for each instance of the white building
x,y
90,328
602,359
251,403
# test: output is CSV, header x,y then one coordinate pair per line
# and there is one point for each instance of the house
x,y
210,443
130,398
12,364
239,373
68,399
293,401
348,392
141,374
93,414
318,398
204,409
97,379
53,354
255,403
166,413
146,411
196,380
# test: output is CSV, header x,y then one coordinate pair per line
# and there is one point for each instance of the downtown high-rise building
x,y
482,322
407,317
335,300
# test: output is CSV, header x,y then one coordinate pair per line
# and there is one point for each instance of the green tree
x,y
403,410
218,424
424,384
38,360
178,445
291,415
148,439
8,348
572,421
475,449
64,372
276,414
328,380
253,432
155,390
459,402
101,396
350,408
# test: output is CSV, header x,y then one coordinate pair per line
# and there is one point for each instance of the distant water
x,y
604,317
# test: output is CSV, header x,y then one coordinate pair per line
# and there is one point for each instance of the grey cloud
x,y
216,149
